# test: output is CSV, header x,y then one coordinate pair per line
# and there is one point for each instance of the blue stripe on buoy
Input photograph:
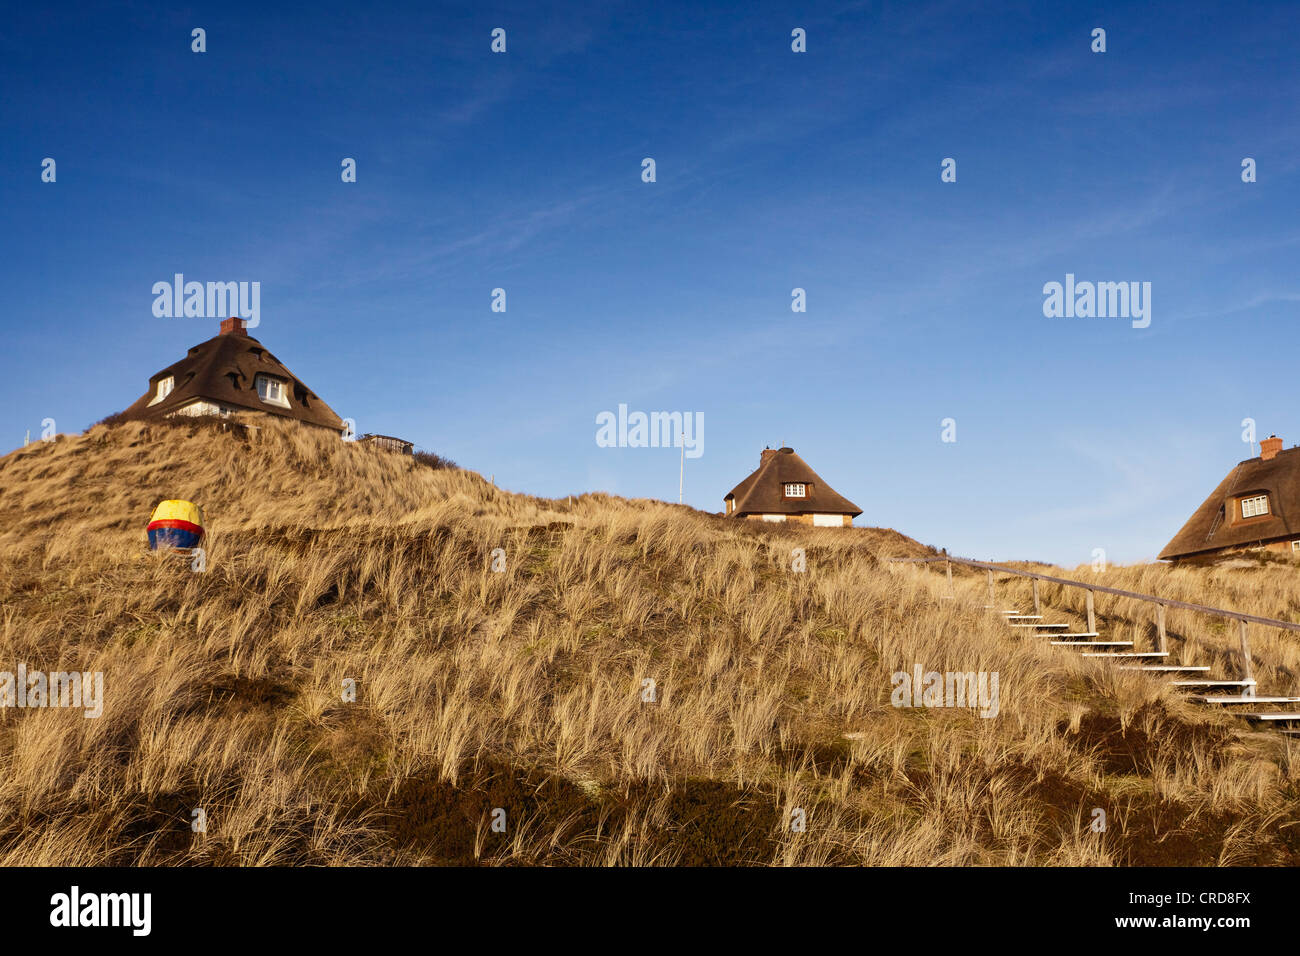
x,y
160,538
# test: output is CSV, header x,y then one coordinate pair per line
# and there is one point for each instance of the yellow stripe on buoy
x,y
176,509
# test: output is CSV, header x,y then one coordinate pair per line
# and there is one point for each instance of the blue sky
x,y
775,170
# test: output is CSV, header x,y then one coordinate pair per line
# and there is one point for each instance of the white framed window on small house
x,y
271,391
165,386
796,489
1295,545
1254,506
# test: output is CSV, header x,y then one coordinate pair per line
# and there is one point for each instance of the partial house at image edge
x,y
230,373
785,488
1256,507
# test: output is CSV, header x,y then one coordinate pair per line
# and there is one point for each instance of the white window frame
x,y
1254,506
1295,545
164,388
801,486
275,391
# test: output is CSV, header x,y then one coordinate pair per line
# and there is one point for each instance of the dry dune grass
x,y
526,689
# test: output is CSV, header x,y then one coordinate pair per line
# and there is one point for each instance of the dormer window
x,y
164,388
796,489
271,391
1254,506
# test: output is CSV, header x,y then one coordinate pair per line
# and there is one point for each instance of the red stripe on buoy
x,y
176,523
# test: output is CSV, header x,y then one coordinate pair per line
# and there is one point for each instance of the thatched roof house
x,y
784,488
230,373
1256,507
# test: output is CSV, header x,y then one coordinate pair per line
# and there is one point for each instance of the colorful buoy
x,y
175,524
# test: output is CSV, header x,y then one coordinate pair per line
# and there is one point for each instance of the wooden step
x,y
1213,683
1243,699
1040,625
1074,634
1282,717
1091,643
1129,654
1169,668
1024,617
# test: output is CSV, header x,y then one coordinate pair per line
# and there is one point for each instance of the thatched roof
x,y
223,370
1211,529
763,491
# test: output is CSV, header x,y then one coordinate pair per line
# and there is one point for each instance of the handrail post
x,y
1160,628
951,592
1092,617
1038,607
992,604
1248,670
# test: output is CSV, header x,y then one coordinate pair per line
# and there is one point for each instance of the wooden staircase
x,y
1245,703
1194,680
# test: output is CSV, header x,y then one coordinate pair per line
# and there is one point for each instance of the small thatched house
x,y
784,488
1256,507
229,374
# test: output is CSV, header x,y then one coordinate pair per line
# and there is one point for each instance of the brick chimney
x,y
232,326
766,454
1269,447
